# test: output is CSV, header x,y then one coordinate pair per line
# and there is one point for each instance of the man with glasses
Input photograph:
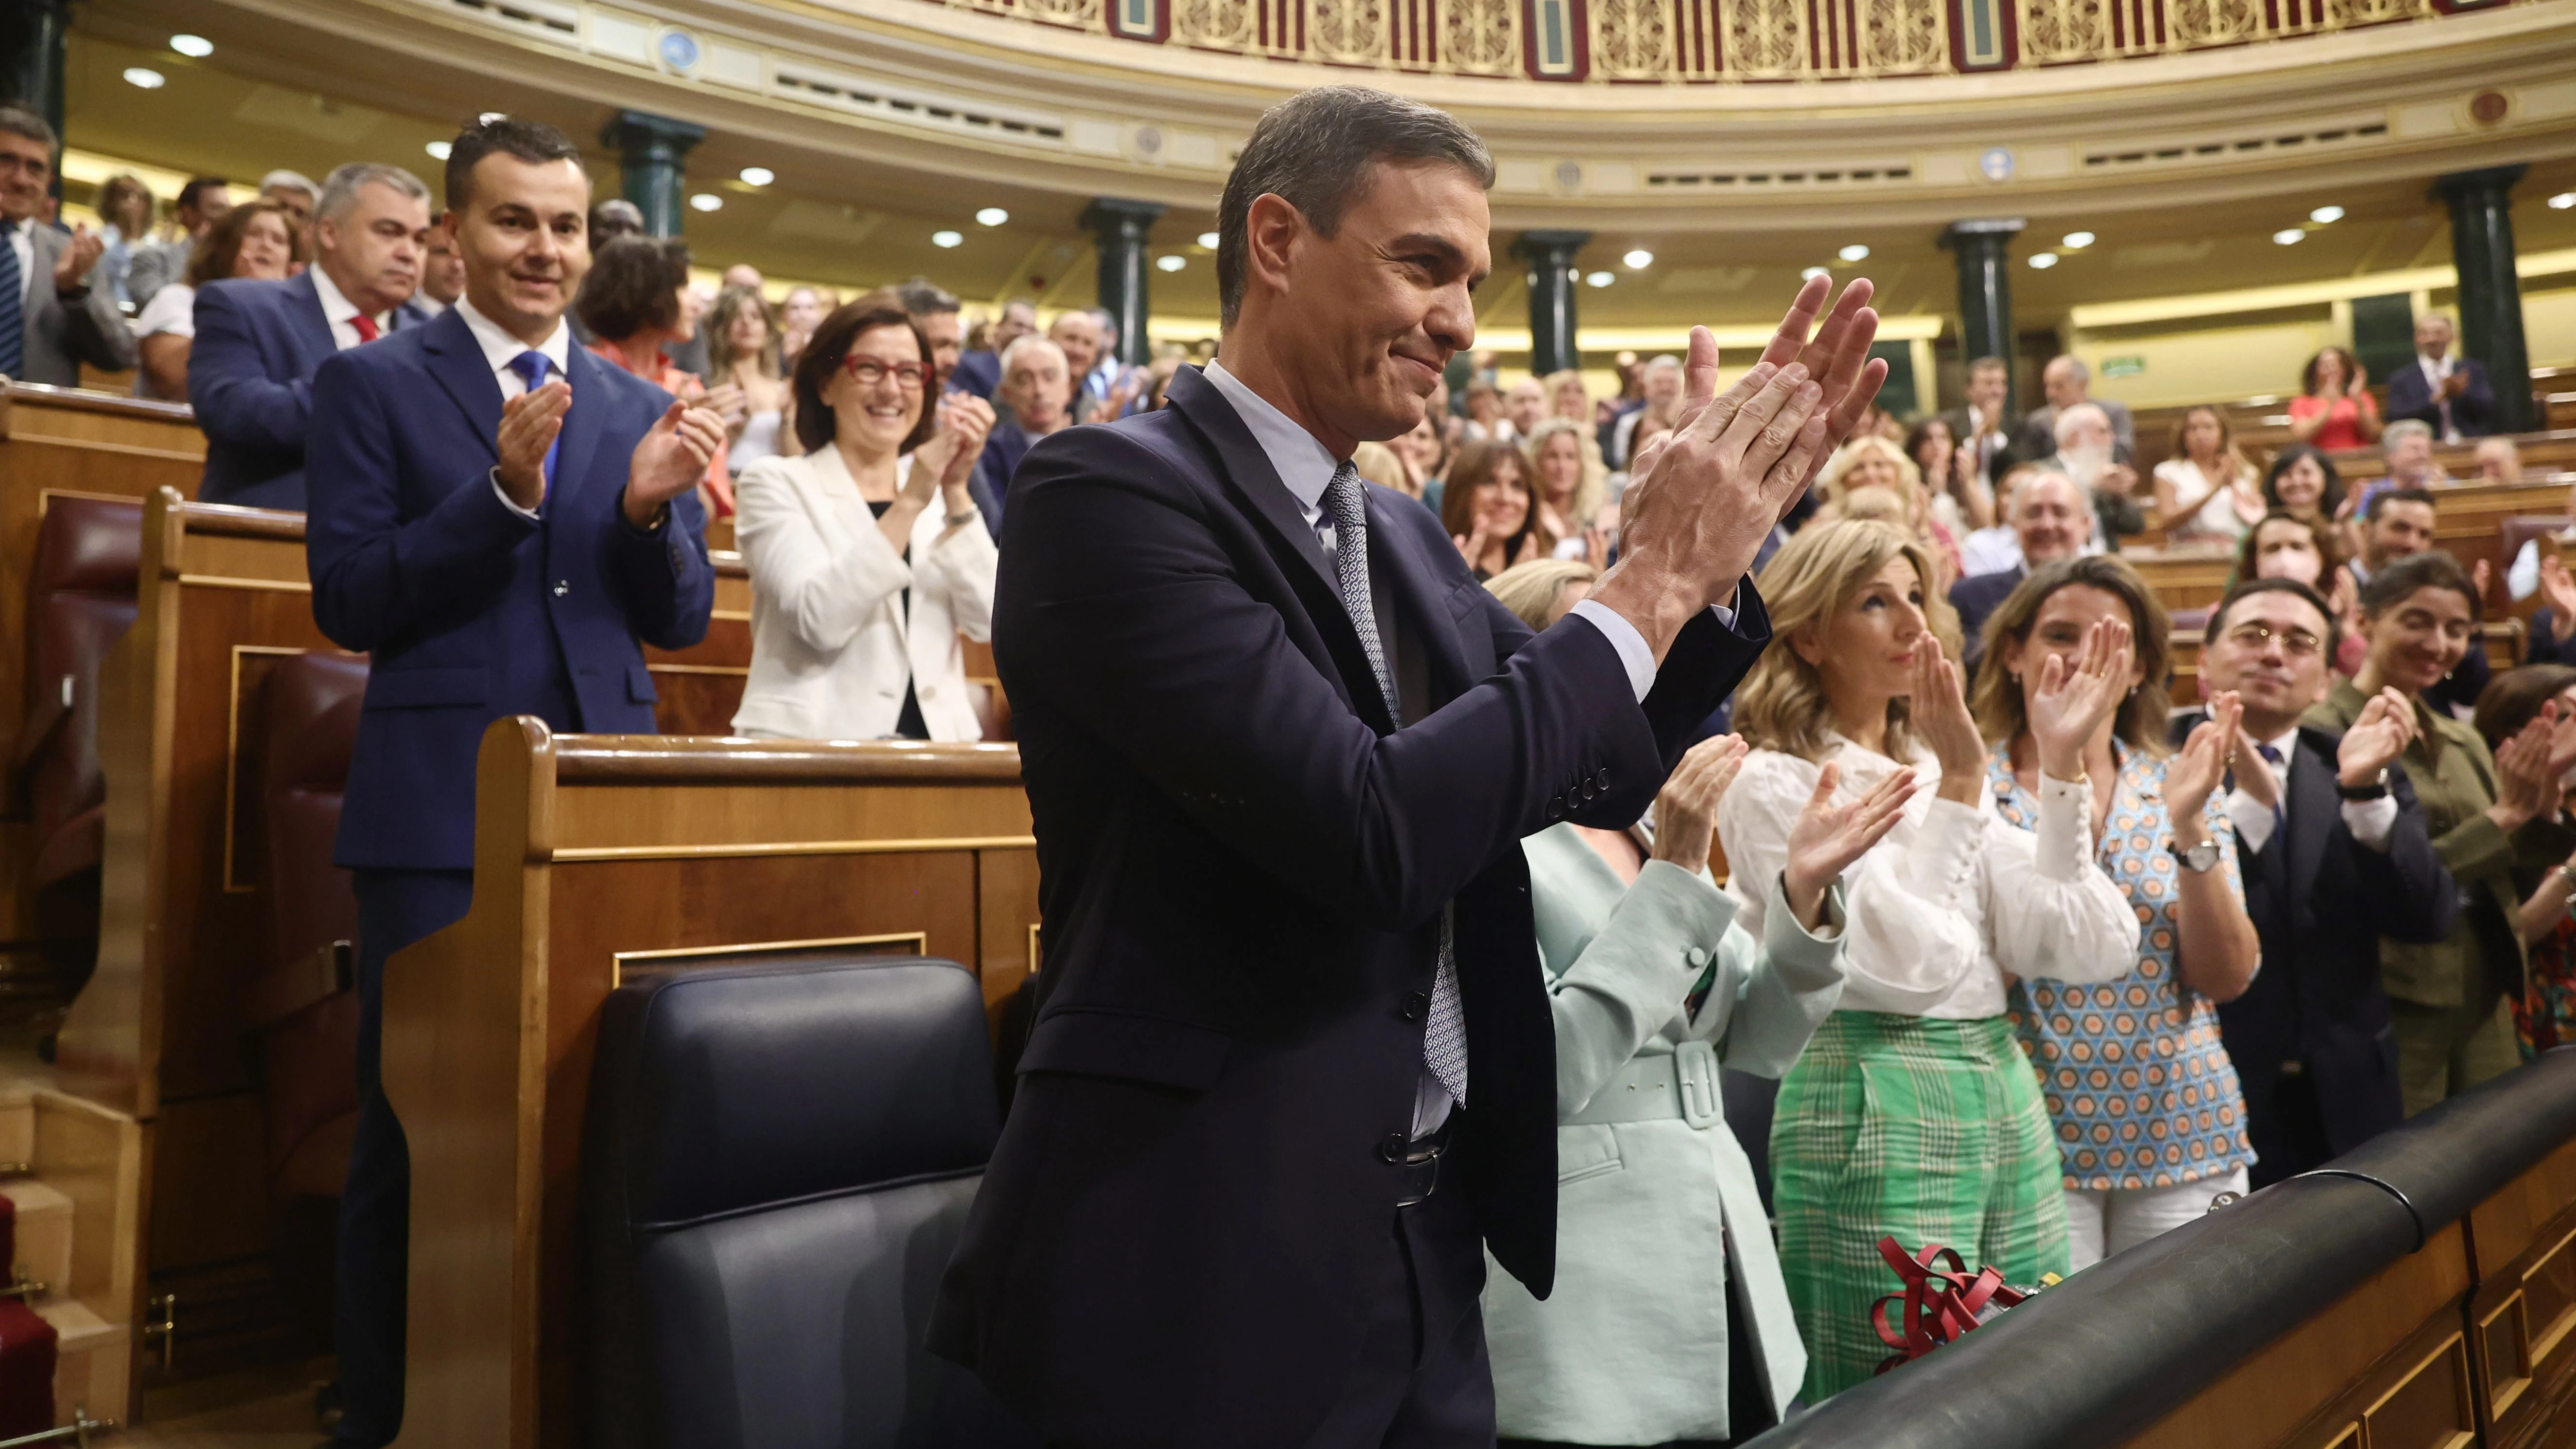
x,y
51,319
2336,857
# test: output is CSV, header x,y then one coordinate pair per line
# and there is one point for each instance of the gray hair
x,y
19,121
2403,429
340,191
2075,367
291,180
1030,342
2068,417
922,297
1313,151
1665,360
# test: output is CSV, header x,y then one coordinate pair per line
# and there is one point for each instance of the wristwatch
x,y
2200,859
2376,789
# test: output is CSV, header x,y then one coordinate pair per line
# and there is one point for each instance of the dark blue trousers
x,y
395,908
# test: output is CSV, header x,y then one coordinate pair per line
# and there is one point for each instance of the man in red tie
x,y
250,374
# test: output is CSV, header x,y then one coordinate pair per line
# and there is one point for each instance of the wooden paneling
x,y
701,686
209,1200
2522,1323
593,848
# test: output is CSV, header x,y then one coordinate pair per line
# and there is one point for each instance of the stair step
x,y
17,1124
76,1328
94,1363
44,1231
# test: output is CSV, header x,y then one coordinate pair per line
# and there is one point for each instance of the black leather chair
x,y
778,1163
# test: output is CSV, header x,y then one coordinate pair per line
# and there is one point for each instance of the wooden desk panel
x,y
701,686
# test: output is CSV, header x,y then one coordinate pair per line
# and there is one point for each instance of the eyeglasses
x,y
868,372
2297,643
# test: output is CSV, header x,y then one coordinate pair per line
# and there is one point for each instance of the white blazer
x,y
830,648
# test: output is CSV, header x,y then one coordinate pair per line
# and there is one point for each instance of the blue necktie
x,y
531,366
2281,787
13,303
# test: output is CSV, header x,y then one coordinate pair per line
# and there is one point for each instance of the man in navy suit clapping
x,y
502,520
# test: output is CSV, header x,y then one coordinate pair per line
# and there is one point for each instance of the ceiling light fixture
x,y
2076,241
1854,253
992,216
146,77
706,201
2562,201
1811,273
1639,260
1600,279
1208,239
758,176
1171,262
196,47
438,150
947,239
2289,236
488,117
2042,261
2326,215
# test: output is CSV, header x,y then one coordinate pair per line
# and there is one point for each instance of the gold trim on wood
x,y
223,581
742,669
918,940
739,616
232,754
1033,948
575,854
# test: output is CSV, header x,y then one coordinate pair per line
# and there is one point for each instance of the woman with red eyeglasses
x,y
635,299
868,556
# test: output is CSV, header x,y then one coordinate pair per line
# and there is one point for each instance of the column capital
x,y
2484,179
1113,214
1988,227
639,131
1558,247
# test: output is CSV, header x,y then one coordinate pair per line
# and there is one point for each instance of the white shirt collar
x,y
499,346
2285,745
1302,463
336,306
2435,368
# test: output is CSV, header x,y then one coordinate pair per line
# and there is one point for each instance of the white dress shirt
x,y
1949,899
2371,822
342,313
23,243
499,347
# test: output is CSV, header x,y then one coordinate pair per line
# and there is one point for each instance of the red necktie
x,y
366,327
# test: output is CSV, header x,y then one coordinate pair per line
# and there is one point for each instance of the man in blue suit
x,y
250,372
1292,1071
499,518
2439,389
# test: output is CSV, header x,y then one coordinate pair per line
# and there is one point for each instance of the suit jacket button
x,y
1416,1006
1556,808
562,587
1392,1149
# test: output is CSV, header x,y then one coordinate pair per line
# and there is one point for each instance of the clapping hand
x,y
1686,808
1827,837
671,460
965,420
1938,708
2076,699
530,423
2480,574
2205,757
2376,740
2530,765
79,255
2559,590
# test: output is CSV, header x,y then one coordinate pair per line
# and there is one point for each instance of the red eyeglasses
x,y
868,372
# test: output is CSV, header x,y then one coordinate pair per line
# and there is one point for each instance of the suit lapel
x,y
1415,583
2311,797
304,312
582,421
1249,474
456,360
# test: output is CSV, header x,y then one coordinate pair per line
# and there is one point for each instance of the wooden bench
x,y
600,855
2183,578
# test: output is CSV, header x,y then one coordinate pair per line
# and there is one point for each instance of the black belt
x,y
1419,1162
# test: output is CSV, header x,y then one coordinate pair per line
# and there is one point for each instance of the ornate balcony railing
x,y
1707,41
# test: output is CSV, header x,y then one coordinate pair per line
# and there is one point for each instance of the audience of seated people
x,y
742,354
2334,408
2087,453
2205,490
200,204
254,241
2068,383
635,303
1035,398
2048,523
54,317
1980,424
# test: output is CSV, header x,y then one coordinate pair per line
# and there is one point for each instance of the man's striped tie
x,y
13,303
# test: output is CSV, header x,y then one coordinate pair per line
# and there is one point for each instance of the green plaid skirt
x,y
1932,1131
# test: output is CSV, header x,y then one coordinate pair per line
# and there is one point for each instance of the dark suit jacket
x,y
2410,395
1977,596
474,613
1243,873
250,378
2321,901
978,373
58,335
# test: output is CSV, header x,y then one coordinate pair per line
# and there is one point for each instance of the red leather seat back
x,y
313,702
80,601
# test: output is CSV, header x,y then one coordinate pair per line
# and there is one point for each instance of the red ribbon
x,y
1942,1303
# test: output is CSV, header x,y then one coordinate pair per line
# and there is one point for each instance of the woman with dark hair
x,y
256,239
742,353
2283,545
1486,508
2452,1001
2303,481
2334,408
1960,503
2205,490
634,301
2544,869
2148,1111
868,556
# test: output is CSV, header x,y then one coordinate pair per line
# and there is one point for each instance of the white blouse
x,y
1953,897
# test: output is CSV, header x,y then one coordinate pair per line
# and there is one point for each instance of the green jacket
x,y
2454,775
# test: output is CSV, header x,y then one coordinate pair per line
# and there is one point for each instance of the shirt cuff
x,y
2065,828
503,494
2372,822
1634,655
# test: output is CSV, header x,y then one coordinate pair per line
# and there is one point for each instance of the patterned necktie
x,y
1444,1036
367,330
532,366
2280,787
13,304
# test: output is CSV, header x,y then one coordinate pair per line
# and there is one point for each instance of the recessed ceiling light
x,y
706,201
1639,260
2076,241
1854,253
192,45
2289,236
438,150
2326,215
1600,279
146,77
1209,239
992,216
2562,201
1811,273
947,239
488,117
757,176
1171,262
2043,260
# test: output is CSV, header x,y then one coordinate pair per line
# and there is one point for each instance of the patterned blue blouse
x,y
2138,1085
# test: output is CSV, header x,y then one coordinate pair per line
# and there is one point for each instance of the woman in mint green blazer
x,y
1664,1257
